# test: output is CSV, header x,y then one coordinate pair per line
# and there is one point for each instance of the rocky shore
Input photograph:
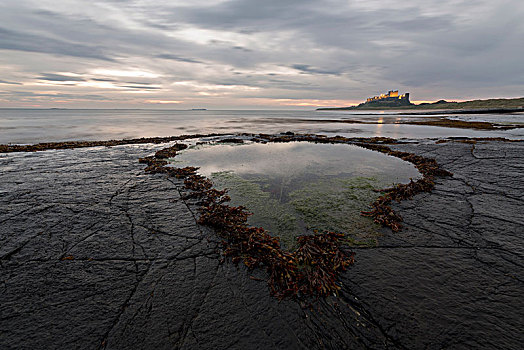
x,y
97,254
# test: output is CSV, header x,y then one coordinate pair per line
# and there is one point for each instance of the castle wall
x,y
393,93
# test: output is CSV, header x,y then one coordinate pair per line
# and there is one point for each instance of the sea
x,y
27,126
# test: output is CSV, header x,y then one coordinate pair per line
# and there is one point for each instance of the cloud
x,y
306,68
11,40
53,96
178,58
58,77
141,87
9,82
329,50
241,48
104,80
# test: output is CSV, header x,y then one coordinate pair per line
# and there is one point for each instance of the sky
x,y
252,54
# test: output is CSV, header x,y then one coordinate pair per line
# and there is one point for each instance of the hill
x,y
491,104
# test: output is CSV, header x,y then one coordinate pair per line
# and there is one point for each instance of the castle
x,y
391,99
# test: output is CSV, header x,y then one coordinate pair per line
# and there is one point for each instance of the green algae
x,y
329,204
335,205
299,188
267,212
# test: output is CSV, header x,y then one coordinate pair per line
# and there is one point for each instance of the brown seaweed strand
x,y
381,211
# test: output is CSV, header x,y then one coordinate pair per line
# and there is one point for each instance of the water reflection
x,y
31,126
294,158
294,188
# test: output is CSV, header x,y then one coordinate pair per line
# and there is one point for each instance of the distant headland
x,y
393,100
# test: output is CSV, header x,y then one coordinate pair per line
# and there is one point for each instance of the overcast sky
x,y
256,54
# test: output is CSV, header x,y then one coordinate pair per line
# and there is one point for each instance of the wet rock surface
x,y
96,254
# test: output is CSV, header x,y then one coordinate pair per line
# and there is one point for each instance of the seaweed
x,y
463,124
381,211
230,140
473,140
110,143
313,268
170,152
268,212
310,270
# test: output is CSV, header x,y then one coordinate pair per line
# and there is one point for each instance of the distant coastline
x,y
495,105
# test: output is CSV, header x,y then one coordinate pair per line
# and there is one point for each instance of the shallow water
x,y
33,125
295,188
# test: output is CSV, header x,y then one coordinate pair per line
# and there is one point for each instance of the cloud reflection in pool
x,y
294,188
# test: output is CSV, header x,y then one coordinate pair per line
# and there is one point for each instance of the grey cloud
x,y
294,85
178,58
12,40
23,94
141,87
250,16
78,35
305,68
9,82
58,77
138,83
241,48
104,79
337,49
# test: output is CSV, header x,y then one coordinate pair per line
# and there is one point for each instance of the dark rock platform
x,y
96,254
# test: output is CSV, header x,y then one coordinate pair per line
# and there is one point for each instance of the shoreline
x,y
492,105
471,111
432,111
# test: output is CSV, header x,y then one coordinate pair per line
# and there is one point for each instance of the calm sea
x,y
22,126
